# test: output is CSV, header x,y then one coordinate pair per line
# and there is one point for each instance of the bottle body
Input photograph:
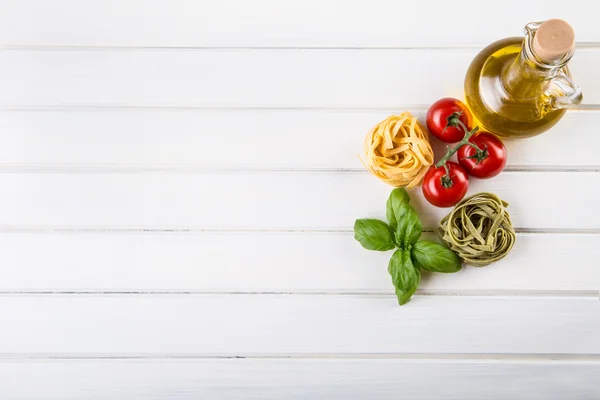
x,y
511,92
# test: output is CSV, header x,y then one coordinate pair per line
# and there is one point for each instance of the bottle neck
x,y
528,76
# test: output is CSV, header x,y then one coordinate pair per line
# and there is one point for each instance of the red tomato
x,y
442,190
492,159
437,119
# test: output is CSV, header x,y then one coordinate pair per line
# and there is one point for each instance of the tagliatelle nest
x,y
478,229
397,151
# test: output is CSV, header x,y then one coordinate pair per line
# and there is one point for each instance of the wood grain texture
x,y
273,261
269,200
271,23
305,139
298,379
207,150
243,325
248,78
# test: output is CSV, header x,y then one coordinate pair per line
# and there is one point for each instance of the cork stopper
x,y
553,40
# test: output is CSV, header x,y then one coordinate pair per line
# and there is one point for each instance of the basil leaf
x,y
398,197
403,219
404,297
404,274
435,257
374,234
409,227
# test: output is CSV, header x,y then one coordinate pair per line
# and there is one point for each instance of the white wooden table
x,y
179,180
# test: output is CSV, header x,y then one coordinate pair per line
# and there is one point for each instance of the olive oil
x,y
516,87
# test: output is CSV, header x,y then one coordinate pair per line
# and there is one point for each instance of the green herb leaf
x,y
405,276
374,234
435,257
404,297
409,227
398,197
403,219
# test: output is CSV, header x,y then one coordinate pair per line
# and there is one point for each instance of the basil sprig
x,y
403,232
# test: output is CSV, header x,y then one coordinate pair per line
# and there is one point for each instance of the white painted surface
x,y
305,262
270,23
203,139
268,199
178,181
300,379
273,78
250,325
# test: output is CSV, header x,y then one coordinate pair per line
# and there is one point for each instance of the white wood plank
x,y
298,379
75,138
260,200
242,325
248,78
272,262
272,23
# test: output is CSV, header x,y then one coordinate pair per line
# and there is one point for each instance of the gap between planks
x,y
225,230
58,47
209,169
134,107
457,357
494,293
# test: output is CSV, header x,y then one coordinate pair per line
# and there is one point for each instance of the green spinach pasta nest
x,y
478,229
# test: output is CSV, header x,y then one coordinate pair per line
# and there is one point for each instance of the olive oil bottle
x,y
521,87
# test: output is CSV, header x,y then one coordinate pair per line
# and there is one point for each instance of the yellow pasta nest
x,y
397,151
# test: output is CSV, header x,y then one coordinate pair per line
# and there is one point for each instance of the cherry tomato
x,y
492,159
442,190
438,119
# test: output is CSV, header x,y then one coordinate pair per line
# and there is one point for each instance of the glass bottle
x,y
521,87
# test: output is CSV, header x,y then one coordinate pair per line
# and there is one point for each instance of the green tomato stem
x,y
464,141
